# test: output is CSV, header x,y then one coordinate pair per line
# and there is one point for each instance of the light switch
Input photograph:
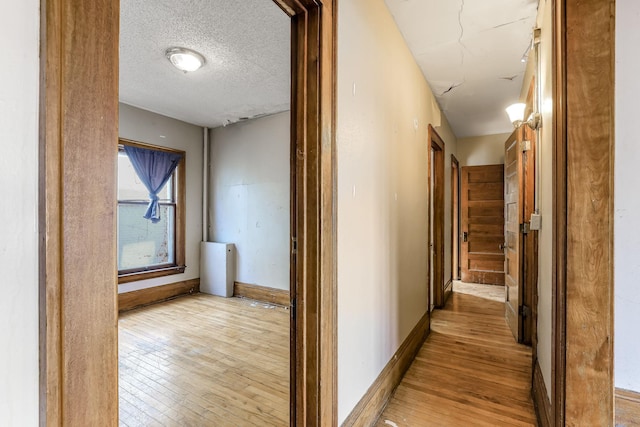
x,y
535,222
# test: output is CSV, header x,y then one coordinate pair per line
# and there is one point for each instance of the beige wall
x,y
545,242
19,22
151,128
482,150
249,197
382,194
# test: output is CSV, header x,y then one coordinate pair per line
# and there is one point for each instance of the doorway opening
x,y
79,276
217,358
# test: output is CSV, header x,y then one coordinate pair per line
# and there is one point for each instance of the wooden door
x,y
482,225
513,250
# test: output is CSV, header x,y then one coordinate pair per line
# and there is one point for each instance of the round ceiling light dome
x,y
185,59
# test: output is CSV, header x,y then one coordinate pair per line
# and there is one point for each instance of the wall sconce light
x,y
516,115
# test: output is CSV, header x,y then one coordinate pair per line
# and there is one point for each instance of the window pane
x,y
129,185
142,243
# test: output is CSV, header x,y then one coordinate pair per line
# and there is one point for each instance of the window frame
x,y
179,189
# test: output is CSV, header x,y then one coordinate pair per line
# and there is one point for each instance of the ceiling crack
x,y
463,47
510,22
453,86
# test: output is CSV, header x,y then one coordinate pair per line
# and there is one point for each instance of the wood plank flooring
x,y
627,408
204,361
469,372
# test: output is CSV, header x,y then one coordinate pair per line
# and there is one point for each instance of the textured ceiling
x,y
470,53
246,44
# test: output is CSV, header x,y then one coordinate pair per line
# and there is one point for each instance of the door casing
x,y
436,149
455,218
583,146
78,283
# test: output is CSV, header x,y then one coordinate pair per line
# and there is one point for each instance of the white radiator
x,y
217,268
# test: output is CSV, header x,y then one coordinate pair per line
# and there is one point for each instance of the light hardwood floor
x,y
627,408
469,372
204,361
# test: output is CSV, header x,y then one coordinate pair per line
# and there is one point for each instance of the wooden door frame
x,y
455,219
437,145
78,279
583,135
530,239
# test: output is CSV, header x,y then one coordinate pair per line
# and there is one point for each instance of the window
x,y
147,249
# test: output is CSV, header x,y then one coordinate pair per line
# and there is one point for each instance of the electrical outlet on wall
x,y
536,222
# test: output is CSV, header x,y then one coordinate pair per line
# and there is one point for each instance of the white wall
x,y
545,238
249,197
382,194
482,150
19,74
145,126
627,201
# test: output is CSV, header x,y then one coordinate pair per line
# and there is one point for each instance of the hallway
x,y
468,372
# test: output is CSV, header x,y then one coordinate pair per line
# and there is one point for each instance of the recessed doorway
x,y
78,268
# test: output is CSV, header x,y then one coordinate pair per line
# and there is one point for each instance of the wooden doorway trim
x,y
436,146
78,282
530,239
583,126
314,314
78,272
455,218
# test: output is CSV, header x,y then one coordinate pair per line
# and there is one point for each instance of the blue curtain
x,y
154,168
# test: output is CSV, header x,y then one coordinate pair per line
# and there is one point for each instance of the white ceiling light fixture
x,y
185,59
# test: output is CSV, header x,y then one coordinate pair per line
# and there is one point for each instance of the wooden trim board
x,y
372,404
583,223
627,407
77,181
436,146
448,290
540,397
559,219
261,293
530,240
313,279
455,219
142,297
